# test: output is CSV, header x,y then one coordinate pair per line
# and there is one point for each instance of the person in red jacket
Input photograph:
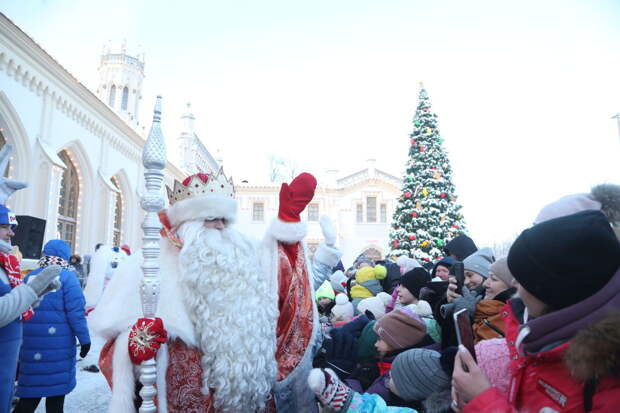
x,y
566,356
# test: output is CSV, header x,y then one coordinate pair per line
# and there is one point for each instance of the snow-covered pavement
x,y
92,394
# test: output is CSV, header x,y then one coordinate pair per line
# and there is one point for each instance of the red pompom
x,y
443,195
407,195
145,338
422,148
414,214
411,237
395,243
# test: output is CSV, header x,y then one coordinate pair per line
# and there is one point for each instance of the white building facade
x,y
360,206
80,153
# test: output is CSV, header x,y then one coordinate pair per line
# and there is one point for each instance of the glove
x,y
145,338
295,197
84,349
340,353
46,281
469,300
329,233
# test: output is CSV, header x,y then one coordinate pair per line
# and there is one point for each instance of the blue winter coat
x,y
47,357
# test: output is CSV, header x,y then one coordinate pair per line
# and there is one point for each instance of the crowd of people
x,y
545,321
249,326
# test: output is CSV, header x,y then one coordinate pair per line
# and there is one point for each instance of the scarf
x,y
10,264
48,260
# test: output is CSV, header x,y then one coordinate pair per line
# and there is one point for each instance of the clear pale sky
x,y
524,89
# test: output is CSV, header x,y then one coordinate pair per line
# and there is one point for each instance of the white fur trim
x,y
327,255
287,232
120,305
123,379
162,368
203,207
316,380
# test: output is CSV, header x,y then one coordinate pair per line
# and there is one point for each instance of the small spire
x,y
157,110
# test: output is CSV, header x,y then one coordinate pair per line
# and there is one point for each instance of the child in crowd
x,y
376,305
368,282
325,299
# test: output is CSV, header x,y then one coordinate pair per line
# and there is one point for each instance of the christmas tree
x,y
427,215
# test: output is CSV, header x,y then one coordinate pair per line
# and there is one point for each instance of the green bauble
x,y
417,123
440,243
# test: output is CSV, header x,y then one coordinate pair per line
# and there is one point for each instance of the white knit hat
x,y
376,304
343,310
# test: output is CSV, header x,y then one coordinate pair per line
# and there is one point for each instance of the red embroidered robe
x,y
294,335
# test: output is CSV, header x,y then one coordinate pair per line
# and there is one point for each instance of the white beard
x,y
234,314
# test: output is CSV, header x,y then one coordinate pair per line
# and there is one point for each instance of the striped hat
x,y
417,374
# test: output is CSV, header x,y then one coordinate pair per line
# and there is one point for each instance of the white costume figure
x,y
241,319
103,265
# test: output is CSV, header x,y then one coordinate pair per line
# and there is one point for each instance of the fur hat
x,y
401,329
375,305
339,281
605,198
414,280
500,269
407,264
202,196
479,262
417,373
566,260
343,310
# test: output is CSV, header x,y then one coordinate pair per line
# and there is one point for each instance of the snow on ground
x,y
92,394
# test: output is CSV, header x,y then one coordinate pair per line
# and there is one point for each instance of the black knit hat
x,y
565,260
414,280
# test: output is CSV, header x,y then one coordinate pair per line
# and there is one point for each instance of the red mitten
x,y
295,197
145,338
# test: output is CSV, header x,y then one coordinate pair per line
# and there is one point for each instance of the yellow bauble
x,y
424,243
429,130
425,192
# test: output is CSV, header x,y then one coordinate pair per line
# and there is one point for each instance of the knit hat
x,y
375,305
401,329
565,260
407,264
6,216
338,281
366,349
343,310
493,357
325,291
361,259
414,280
605,198
479,262
417,373
500,269
461,246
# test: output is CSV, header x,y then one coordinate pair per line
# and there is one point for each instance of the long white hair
x,y
234,314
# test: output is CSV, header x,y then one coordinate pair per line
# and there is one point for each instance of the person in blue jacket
x,y
47,356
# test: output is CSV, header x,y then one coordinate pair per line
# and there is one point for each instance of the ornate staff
x,y
154,161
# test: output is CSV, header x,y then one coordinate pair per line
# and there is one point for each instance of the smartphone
x,y
439,287
464,332
458,271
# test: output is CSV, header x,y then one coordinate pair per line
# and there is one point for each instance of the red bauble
x,y
443,195
422,148
411,237
407,195
414,214
455,226
395,243
425,110
413,142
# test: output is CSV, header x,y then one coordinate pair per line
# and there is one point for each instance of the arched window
x,y
2,143
125,97
112,96
118,215
68,202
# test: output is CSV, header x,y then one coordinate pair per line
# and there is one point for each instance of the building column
x,y
53,197
109,236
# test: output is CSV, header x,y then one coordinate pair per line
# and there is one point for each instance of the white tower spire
x,y
120,83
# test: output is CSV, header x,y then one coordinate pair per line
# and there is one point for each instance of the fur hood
x,y
595,351
439,402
